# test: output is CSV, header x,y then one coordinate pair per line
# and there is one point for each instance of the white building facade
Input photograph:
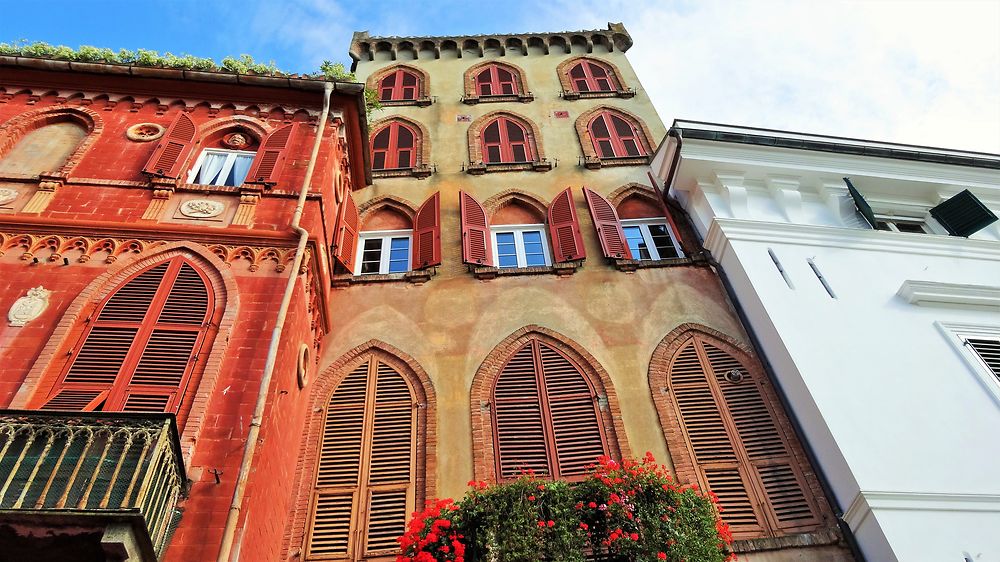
x,y
884,341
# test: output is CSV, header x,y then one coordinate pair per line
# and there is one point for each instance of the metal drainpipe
x,y
824,482
225,550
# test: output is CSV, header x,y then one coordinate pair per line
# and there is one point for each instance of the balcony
x,y
85,486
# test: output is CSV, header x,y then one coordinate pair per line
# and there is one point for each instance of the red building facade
x,y
145,236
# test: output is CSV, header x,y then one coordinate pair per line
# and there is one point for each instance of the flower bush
x,y
630,511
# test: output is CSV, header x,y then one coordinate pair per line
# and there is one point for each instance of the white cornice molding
x,y
732,155
922,293
723,229
867,501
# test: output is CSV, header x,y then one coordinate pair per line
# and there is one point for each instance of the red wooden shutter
x,y
477,248
661,199
140,351
427,233
364,482
738,448
346,242
545,415
573,411
169,156
564,229
609,228
270,158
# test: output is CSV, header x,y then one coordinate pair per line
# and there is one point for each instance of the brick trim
x,y
477,126
12,131
483,451
421,144
257,128
373,205
46,369
425,479
587,144
629,189
562,70
423,88
681,455
508,196
472,71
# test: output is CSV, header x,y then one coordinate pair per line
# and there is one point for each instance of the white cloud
x,y
924,73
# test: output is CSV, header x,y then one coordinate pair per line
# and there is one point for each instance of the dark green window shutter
x,y
863,207
963,214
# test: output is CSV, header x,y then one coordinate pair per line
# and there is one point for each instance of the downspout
x,y
225,550
824,482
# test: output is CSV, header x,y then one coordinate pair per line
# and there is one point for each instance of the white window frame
x,y
518,231
647,237
957,334
386,236
226,168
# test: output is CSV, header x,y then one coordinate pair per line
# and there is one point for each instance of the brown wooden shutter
x,y
140,351
346,242
546,416
427,233
270,158
518,423
609,228
739,449
176,145
477,248
564,229
573,409
364,481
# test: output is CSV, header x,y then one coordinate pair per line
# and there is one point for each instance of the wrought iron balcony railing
x,y
93,462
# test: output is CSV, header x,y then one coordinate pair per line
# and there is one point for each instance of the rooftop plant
x,y
629,511
244,64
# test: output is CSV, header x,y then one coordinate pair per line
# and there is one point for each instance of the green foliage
x,y
244,64
622,512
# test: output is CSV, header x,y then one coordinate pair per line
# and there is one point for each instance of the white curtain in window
x,y
241,167
210,168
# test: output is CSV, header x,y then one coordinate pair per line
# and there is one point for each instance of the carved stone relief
x,y
29,307
202,208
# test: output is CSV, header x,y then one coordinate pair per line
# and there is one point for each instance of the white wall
x,y
906,428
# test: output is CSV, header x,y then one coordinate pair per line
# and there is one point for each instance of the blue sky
x,y
923,72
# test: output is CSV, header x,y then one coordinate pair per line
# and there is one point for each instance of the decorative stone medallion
x,y
8,194
236,141
202,208
302,366
29,307
145,132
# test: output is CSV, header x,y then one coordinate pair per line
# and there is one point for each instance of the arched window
x,y
546,415
614,136
505,141
496,80
591,76
394,147
736,441
141,347
399,85
365,479
44,149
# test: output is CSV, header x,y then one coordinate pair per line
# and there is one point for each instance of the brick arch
x,y
587,144
256,127
472,71
508,196
681,454
477,126
45,371
425,481
14,129
423,88
422,144
564,67
375,204
632,189
483,449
